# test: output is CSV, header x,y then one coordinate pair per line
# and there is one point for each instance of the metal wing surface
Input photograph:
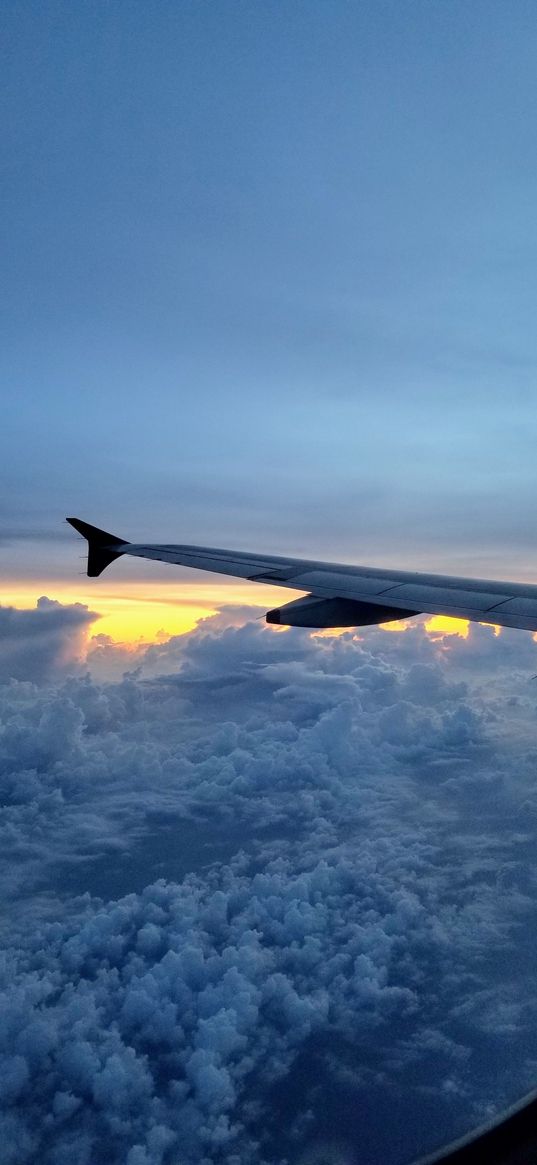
x,y
391,593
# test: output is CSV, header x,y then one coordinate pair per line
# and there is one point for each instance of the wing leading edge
x,y
341,595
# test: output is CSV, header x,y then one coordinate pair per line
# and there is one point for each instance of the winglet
x,y
103,548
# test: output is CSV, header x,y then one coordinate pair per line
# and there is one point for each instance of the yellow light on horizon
x,y
441,625
138,614
395,625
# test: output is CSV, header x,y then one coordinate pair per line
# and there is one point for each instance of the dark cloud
x,y
42,644
269,885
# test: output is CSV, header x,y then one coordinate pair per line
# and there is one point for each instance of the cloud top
x,y
264,869
43,643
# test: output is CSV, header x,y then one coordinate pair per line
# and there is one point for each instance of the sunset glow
x,y
441,625
437,626
137,613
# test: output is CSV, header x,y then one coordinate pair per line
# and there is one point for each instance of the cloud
x,y
10,534
44,643
265,868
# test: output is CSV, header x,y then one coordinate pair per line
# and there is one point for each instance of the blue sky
x,y
269,282
269,275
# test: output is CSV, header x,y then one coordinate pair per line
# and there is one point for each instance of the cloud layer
x,y
267,886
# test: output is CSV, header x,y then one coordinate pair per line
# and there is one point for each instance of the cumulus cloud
x,y
43,643
267,868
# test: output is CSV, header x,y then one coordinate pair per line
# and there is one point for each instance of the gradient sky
x,y
269,281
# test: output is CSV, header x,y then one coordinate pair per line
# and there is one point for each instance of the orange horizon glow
x,y
440,625
436,625
136,614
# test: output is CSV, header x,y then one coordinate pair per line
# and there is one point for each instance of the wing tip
x,y
103,547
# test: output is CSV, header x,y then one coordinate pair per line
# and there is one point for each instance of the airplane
x,y
339,595
354,596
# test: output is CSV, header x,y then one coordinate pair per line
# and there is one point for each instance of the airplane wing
x,y
509,1139
338,595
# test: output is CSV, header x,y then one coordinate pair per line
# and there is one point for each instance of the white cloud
x,y
343,829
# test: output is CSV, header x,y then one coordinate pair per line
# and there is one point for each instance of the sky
x,y
268,896
268,283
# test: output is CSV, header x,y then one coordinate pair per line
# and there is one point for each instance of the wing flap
x,y
453,596
527,607
343,582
